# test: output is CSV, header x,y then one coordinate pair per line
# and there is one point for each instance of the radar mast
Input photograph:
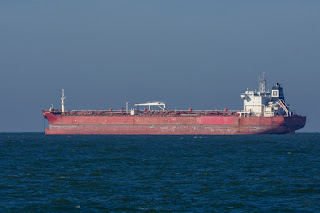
x,y
262,83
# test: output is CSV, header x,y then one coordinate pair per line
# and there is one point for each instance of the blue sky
x,y
199,54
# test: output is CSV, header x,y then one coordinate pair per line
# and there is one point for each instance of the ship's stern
x,y
295,122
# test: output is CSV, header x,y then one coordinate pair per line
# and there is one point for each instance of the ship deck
x,y
146,113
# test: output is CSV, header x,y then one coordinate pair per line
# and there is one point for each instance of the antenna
x,y
62,100
262,83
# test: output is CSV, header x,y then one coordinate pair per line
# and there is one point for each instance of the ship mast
x,y
127,107
262,83
62,100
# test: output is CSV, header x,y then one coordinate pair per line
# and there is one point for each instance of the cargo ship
x,y
264,112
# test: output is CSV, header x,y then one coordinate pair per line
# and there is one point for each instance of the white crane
x,y
160,104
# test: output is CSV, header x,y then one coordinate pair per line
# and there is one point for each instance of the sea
x,y
256,173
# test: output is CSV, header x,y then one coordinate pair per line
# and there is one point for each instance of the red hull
x,y
171,125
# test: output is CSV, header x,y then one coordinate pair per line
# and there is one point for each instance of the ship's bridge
x,y
264,103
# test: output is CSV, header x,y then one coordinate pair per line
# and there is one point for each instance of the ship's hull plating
x,y
170,125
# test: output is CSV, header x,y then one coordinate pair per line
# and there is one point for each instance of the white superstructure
x,y
263,103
